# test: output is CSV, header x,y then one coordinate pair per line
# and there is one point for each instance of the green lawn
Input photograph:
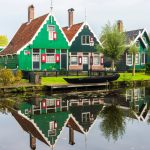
x,y
129,77
123,77
57,80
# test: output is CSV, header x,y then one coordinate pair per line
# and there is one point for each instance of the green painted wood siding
x,y
77,45
11,62
42,42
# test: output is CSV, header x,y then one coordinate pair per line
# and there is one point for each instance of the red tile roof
x,y
23,35
71,32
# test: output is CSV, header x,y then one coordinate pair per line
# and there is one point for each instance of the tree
x,y
6,76
3,40
113,42
113,122
133,50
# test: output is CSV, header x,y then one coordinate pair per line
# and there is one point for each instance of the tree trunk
x,y
113,65
133,70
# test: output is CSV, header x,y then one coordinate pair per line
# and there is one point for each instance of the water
x,y
100,121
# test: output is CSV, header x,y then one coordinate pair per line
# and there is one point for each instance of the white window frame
x,y
86,118
96,55
50,33
71,60
85,39
50,62
138,59
129,64
142,63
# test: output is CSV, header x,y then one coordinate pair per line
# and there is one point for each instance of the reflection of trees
x,y
7,103
113,122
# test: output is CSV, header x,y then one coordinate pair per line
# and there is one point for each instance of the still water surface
x,y
110,121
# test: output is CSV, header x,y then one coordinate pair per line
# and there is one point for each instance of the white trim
x,y
39,60
81,28
50,53
85,40
36,34
138,59
127,64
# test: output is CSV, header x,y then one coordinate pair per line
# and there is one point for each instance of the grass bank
x,y
137,77
123,77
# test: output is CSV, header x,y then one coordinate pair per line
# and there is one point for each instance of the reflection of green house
x,y
37,45
42,120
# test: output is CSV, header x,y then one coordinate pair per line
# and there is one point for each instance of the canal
x,y
119,119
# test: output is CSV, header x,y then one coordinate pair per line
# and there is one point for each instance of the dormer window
x,y
52,32
85,40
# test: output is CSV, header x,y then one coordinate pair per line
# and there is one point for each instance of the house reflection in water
x,y
45,118
139,103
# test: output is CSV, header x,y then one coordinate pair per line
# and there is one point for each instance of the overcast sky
x,y
134,13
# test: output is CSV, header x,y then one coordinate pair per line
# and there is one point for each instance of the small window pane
x,y
74,60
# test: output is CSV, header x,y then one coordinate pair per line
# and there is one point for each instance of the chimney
x,y
32,142
120,25
71,136
30,13
70,17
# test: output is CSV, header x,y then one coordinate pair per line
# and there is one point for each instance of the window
x,y
50,102
96,60
85,40
137,59
74,60
129,59
51,30
36,56
143,58
50,57
86,117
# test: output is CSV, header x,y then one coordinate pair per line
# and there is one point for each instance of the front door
x,y
85,63
36,59
64,59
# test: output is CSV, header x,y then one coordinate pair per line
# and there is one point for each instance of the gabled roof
x,y
132,35
71,32
24,35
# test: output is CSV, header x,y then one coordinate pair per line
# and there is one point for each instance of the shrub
x,y
148,68
137,70
6,76
18,75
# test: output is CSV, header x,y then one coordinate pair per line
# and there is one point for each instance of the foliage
x,y
133,50
113,42
148,68
6,76
113,122
137,70
63,71
3,40
18,75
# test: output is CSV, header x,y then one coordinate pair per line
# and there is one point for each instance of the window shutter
x,y
43,103
57,58
43,58
80,60
57,103
54,35
102,60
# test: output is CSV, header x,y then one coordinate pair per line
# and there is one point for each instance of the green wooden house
x,y
82,41
39,44
141,38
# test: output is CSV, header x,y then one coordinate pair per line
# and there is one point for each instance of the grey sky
x,y
134,13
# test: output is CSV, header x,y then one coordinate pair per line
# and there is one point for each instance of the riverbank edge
x,y
61,88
